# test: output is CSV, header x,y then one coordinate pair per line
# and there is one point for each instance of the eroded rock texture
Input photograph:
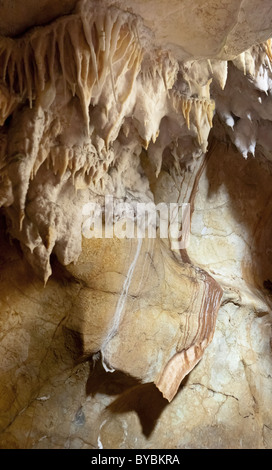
x,y
127,342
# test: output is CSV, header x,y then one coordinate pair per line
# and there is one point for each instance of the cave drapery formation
x,y
97,100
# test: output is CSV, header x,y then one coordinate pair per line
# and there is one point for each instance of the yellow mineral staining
x,y
268,48
186,109
198,111
155,136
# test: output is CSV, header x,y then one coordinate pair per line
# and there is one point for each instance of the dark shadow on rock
x,y
108,383
249,187
73,341
60,273
145,400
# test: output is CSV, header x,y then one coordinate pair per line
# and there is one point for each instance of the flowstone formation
x,y
96,104
118,90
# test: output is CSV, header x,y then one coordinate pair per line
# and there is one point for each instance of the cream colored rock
x,y
93,104
149,314
51,401
221,29
81,97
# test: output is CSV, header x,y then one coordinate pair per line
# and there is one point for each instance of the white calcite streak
x,y
91,105
120,306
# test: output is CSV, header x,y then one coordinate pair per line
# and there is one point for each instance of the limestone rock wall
x,y
129,342
55,395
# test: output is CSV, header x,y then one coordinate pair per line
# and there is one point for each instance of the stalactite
x,y
194,110
268,48
38,57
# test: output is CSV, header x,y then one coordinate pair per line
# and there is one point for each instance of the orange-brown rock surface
x,y
56,392
129,342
